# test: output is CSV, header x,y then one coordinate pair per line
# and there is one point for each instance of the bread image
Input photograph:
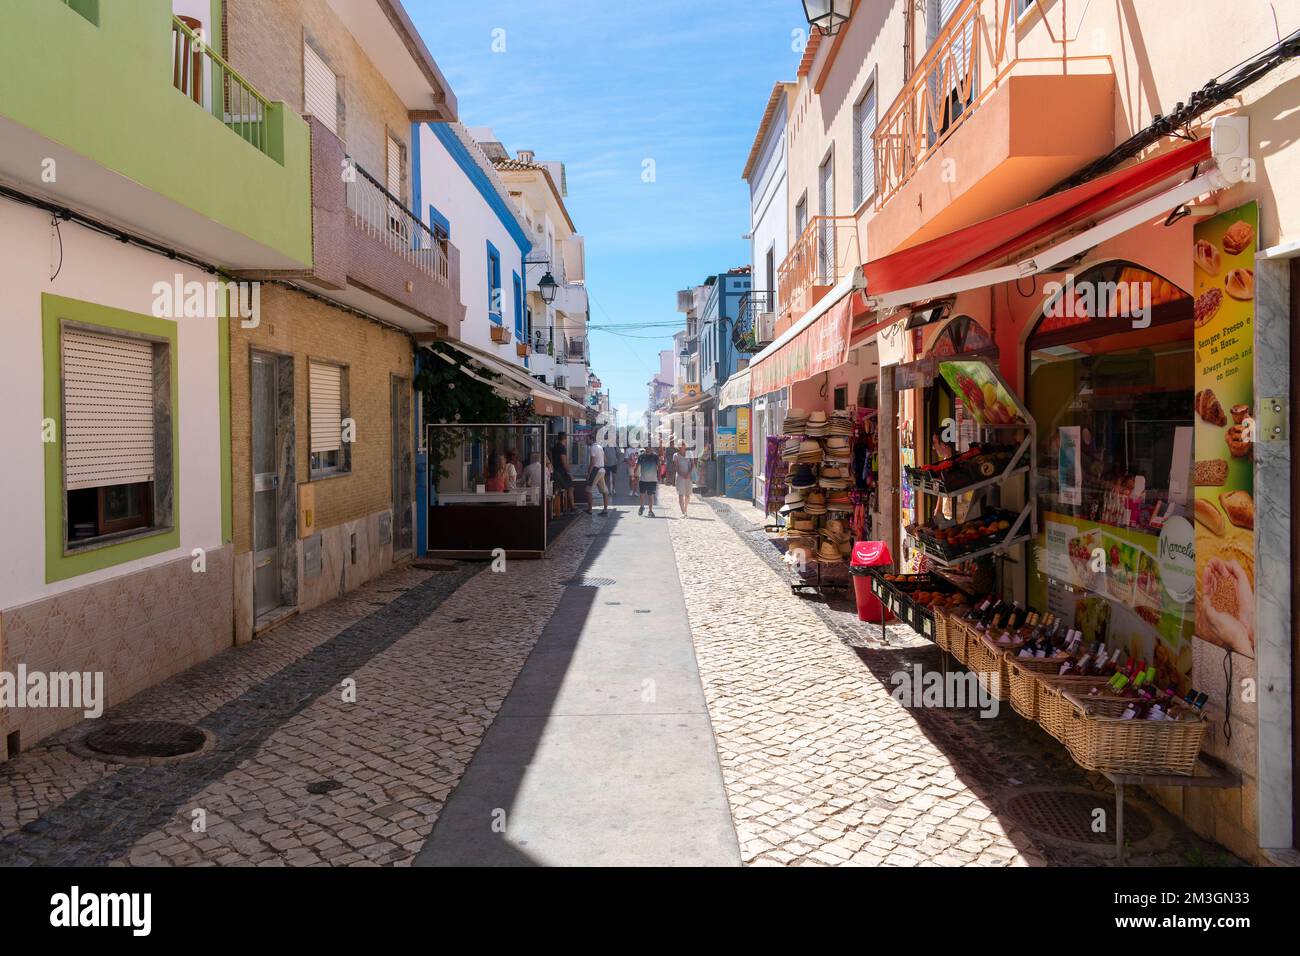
x,y
1238,237
1239,507
1207,305
1208,407
1237,441
1240,284
1239,413
1210,516
1210,473
1206,256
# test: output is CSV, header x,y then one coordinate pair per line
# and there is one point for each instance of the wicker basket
x,y
1023,675
989,664
941,631
1055,712
960,635
1100,740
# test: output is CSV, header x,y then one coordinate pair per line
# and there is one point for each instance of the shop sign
x,y
726,441
1177,556
1223,255
822,346
742,431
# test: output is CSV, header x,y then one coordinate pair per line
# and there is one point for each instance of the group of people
x,y
647,468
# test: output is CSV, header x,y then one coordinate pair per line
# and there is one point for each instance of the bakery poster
x,y
1224,286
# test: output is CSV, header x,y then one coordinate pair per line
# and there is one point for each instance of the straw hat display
x,y
838,449
790,449
841,423
815,503
839,501
810,452
795,421
817,424
834,478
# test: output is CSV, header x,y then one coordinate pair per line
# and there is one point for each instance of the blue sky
x,y
603,86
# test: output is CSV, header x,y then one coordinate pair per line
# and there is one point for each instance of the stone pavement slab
x,y
603,753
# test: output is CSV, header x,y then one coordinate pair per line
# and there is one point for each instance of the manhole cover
x,y
1071,815
589,582
147,738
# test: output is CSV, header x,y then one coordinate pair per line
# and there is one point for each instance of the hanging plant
x,y
449,395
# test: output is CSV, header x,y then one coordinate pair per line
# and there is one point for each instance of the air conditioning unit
x,y
560,382
500,334
765,328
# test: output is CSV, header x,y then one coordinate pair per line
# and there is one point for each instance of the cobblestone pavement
x,y
433,655
823,766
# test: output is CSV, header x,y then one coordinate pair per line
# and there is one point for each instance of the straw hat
x,y
829,552
836,528
801,477
817,424
839,501
815,504
800,523
790,449
793,501
810,452
837,442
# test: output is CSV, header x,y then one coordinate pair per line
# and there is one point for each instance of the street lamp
x,y
827,15
547,286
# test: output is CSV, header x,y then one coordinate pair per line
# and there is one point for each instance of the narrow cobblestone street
x,y
820,765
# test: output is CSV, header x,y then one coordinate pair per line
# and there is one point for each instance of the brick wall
x,y
264,39
293,323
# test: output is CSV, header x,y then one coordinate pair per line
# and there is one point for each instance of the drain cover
x,y
589,582
146,738
1069,814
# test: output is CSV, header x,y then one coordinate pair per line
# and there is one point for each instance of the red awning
x,y
993,239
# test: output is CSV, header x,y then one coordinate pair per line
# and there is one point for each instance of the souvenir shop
x,y
1073,446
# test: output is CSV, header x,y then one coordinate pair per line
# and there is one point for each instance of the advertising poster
x,y
1126,587
984,395
726,441
1069,466
742,431
1224,405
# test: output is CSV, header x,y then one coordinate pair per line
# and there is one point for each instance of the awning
x,y
688,402
735,391
951,263
518,384
816,343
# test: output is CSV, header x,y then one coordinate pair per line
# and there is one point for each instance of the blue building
x,y
721,355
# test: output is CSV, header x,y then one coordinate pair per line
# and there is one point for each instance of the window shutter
x,y
108,413
326,407
320,89
864,116
395,167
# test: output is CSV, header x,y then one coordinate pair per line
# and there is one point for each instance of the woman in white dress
x,y
684,468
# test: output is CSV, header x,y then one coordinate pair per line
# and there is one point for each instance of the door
x,y
267,591
826,232
403,465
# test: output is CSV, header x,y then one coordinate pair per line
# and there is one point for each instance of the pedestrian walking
x,y
684,470
560,474
633,471
648,463
596,481
612,457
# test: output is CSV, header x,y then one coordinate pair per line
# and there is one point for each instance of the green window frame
x,y
62,562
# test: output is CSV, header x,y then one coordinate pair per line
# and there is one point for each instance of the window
x,y
440,225
519,308
864,156
327,403
394,178
826,259
320,89
115,402
494,283
801,215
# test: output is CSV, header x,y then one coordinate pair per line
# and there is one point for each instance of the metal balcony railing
x,y
746,335
822,256
969,60
383,216
200,73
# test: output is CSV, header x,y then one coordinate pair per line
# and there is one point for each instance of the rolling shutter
x,y
108,413
863,147
326,407
320,89
395,167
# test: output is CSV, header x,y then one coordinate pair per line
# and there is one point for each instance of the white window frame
x,y
341,461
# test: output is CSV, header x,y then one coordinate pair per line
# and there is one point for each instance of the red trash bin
x,y
869,554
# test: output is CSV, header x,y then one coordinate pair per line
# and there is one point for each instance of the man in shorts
x,y
596,481
647,464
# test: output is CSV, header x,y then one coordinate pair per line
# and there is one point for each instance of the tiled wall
x,y
137,629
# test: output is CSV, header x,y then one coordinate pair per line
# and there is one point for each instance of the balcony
x,y
149,129
755,322
827,252
998,110
372,252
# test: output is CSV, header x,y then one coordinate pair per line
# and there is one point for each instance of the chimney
x,y
525,156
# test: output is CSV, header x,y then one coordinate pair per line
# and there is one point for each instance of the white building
x,y
765,172
460,196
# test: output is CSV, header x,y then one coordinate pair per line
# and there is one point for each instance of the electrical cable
x,y
54,226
